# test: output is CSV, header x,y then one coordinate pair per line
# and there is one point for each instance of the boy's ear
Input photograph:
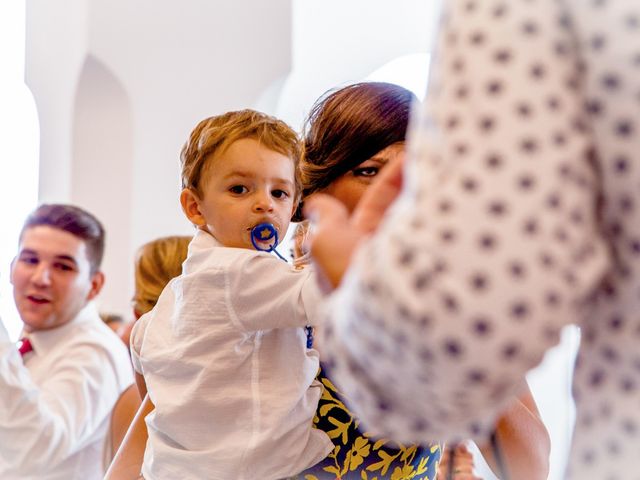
x,y
191,207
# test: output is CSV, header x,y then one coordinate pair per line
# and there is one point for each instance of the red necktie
x,y
25,346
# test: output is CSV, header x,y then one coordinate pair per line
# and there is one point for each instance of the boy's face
x,y
246,185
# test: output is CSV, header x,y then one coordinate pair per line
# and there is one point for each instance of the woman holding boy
x,y
362,136
351,135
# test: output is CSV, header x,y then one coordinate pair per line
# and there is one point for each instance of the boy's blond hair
x,y
213,135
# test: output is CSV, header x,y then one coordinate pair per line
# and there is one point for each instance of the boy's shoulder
x,y
205,253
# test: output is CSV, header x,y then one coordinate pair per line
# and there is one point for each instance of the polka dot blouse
x,y
520,215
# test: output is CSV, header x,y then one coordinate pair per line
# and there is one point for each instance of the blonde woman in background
x,y
156,262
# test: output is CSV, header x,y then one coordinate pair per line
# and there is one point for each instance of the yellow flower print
x,y
364,476
404,473
384,464
360,450
341,429
408,454
422,466
379,443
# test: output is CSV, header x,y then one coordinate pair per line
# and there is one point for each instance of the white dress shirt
x,y
225,360
55,407
520,214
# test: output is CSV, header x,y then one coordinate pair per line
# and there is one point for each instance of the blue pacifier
x,y
264,232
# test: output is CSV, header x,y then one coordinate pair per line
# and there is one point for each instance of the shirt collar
x,y
44,341
203,240
200,246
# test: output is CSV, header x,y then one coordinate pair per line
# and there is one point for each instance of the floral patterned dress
x,y
357,456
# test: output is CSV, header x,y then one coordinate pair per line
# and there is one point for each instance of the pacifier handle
x,y
265,232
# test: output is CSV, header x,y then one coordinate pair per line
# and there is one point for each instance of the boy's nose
x,y
263,203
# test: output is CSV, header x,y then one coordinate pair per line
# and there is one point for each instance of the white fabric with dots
x,y
521,215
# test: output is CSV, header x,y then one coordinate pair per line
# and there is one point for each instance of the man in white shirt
x,y
57,389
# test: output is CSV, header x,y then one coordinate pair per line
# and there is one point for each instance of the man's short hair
x,y
77,222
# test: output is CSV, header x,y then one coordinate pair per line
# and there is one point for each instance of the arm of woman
x,y
141,384
127,463
523,440
478,265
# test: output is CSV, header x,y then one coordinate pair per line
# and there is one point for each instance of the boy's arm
x,y
265,293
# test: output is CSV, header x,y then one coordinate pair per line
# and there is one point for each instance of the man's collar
x,y
45,340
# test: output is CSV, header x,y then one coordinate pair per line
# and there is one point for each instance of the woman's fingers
x,y
379,196
331,236
334,236
463,467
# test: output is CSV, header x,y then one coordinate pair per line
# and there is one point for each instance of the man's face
x,y
247,185
51,277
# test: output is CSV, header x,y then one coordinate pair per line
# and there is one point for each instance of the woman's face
x,y
350,187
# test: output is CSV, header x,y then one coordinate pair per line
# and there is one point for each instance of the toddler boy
x,y
224,351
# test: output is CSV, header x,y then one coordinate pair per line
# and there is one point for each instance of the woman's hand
x,y
462,464
335,236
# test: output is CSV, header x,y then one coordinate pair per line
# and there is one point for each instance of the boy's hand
x,y
335,236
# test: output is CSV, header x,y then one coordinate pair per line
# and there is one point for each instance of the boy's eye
x,y
238,189
279,193
366,171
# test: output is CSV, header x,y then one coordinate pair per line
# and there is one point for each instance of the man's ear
x,y
191,207
97,282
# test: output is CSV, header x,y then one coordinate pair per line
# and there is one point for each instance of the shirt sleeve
x,y
137,336
44,425
266,293
494,241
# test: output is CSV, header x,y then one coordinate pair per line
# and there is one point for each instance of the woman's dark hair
x,y
348,126
77,222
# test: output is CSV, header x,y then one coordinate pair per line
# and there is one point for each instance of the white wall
x,y
119,85
337,42
18,151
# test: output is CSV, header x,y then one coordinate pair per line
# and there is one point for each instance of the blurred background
x,y
97,98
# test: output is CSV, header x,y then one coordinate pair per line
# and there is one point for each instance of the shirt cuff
x,y
4,335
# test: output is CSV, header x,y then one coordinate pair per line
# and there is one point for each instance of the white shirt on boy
x,y
226,364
